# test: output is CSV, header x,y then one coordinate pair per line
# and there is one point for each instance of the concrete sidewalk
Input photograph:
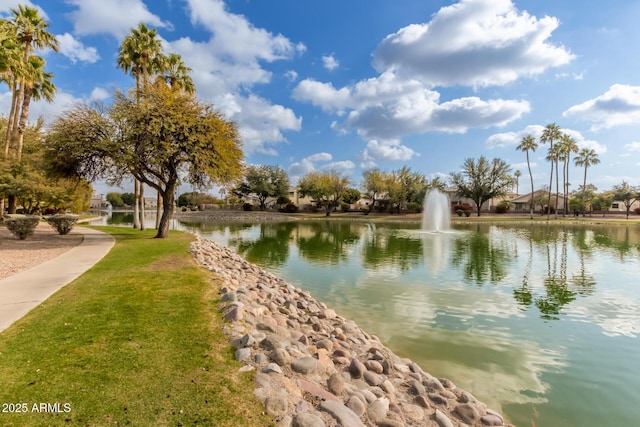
x,y
23,291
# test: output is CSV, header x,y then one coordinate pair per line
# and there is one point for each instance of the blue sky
x,y
350,85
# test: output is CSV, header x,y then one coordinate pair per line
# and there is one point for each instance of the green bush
x,y
290,208
22,226
459,212
62,223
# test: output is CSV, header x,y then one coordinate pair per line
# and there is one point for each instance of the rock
x,y
275,405
307,420
327,314
422,401
272,367
260,358
390,423
280,356
271,342
467,413
443,420
434,384
335,383
243,354
436,398
316,390
372,379
374,366
234,311
304,365
356,368
325,343
344,415
417,388
377,410
491,420
387,387
356,405
247,340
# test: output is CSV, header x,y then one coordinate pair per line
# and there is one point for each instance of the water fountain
x,y
437,211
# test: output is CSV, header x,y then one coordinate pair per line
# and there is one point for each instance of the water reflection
x,y
541,320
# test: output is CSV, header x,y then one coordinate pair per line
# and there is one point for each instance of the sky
x,y
352,85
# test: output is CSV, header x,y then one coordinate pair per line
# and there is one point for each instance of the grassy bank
x,y
134,341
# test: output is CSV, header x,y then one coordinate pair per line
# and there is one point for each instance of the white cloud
x,y
634,146
298,169
75,50
7,5
343,165
48,111
320,157
506,139
620,105
473,43
260,123
115,17
582,142
387,151
388,107
330,63
291,75
99,94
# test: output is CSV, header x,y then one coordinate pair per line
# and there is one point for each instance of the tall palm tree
x,y
38,85
517,174
30,30
139,55
586,157
550,134
527,144
176,74
569,146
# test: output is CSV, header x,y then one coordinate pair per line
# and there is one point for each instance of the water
x,y
437,211
540,322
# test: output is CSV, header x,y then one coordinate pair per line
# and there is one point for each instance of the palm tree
x,y
517,174
568,146
139,55
37,85
554,155
176,74
586,157
527,144
551,133
30,30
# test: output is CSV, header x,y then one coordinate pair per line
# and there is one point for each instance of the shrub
x,y
467,213
290,208
459,212
62,223
247,207
22,226
637,211
502,209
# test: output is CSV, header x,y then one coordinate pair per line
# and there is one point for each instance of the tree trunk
x,y
531,177
142,227
158,210
22,124
136,203
12,112
12,207
584,188
550,184
167,212
557,191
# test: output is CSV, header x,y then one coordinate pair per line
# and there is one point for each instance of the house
x,y
540,197
97,201
488,206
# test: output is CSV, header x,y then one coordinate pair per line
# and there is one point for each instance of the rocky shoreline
x,y
315,368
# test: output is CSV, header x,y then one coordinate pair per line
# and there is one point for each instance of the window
x,y
615,206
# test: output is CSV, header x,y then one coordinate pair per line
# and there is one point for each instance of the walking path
x,y
23,291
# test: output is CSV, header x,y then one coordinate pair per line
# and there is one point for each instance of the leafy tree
x,y
350,195
586,157
157,139
516,176
527,144
482,180
195,198
550,134
115,199
326,188
128,198
374,185
405,186
141,55
628,194
264,182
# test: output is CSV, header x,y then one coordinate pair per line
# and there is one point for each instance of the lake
x,y
539,321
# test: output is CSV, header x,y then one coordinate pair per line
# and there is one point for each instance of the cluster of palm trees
x,y
141,55
24,72
560,152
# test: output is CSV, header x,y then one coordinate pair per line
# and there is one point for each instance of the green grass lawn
x,y
134,341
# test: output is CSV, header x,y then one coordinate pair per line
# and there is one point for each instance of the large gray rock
x,y
275,405
304,365
356,368
467,413
307,420
344,415
377,410
443,420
